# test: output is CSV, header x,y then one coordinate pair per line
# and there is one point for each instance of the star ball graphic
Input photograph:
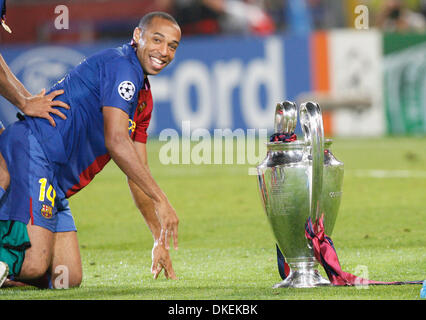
x,y
126,89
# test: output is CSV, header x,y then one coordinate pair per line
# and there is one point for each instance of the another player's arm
x,y
160,255
9,86
37,106
123,152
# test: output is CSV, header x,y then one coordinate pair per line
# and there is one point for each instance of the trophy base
x,y
303,275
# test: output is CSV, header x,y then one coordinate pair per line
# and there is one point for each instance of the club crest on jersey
x,y
141,107
132,126
126,89
46,211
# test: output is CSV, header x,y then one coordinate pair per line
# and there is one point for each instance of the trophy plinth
x,y
303,275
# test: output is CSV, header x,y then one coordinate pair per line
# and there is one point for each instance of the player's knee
x,y
35,270
35,265
71,283
76,280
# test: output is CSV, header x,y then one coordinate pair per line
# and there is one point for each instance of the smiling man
x,y
111,104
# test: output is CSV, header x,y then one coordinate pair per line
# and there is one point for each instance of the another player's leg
x,y
4,183
39,255
53,261
27,259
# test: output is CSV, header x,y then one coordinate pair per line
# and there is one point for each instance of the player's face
x,y
157,45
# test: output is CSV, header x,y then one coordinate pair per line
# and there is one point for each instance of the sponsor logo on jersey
x,y
141,107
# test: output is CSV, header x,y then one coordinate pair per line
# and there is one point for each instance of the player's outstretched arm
x,y
123,152
160,255
36,106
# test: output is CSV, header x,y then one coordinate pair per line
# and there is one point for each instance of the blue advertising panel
x,y
214,82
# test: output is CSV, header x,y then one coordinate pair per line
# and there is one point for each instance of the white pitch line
x,y
381,174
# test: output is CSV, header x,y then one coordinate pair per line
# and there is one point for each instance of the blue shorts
x,y
33,195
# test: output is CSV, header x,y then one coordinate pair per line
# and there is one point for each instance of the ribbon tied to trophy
x,y
326,254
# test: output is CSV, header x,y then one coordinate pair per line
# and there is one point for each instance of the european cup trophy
x,y
297,180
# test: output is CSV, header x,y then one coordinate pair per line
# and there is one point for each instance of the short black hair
x,y
146,19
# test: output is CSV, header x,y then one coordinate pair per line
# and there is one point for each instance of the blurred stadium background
x,y
238,58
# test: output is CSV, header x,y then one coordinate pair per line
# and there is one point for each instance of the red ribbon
x,y
326,254
283,137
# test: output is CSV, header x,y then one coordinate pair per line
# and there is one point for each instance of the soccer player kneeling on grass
x,y
47,164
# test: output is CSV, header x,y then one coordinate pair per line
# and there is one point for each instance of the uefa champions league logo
x,y
42,67
126,89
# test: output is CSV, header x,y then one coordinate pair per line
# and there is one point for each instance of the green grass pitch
x,y
226,249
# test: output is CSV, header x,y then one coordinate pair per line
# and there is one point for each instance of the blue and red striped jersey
x,y
76,146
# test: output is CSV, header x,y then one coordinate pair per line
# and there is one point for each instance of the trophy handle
x,y
312,126
278,119
285,117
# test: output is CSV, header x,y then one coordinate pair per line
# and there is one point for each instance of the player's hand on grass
x,y
161,260
169,224
41,106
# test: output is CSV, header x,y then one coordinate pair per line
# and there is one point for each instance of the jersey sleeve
x,y
143,117
119,83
